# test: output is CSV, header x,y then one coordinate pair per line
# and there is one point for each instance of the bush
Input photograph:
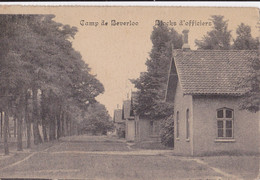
x,y
167,132
121,133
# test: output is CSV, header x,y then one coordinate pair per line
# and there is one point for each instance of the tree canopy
x,y
38,62
244,39
218,38
151,85
251,82
96,120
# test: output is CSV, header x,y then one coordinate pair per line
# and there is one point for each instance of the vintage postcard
x,y
129,92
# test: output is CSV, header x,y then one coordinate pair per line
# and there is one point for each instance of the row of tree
x,y
97,120
220,38
43,80
151,85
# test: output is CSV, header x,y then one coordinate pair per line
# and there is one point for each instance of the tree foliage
x,y
244,39
96,120
42,78
218,38
167,131
251,83
151,85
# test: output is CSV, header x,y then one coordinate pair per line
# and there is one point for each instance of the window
x,y
225,120
177,124
187,124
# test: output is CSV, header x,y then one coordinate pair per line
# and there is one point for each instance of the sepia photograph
x,y
129,92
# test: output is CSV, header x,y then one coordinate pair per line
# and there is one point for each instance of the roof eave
x,y
213,94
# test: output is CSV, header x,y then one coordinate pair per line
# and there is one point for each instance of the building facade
x,y
120,124
207,115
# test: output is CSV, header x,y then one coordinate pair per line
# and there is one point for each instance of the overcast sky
x,y
118,53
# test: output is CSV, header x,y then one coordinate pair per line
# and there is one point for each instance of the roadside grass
x,y
150,145
90,146
10,159
12,144
109,167
92,138
15,156
121,167
246,167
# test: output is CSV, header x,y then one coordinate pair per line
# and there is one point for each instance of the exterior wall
x,y
120,129
246,127
126,108
130,130
143,129
181,104
147,131
118,115
155,131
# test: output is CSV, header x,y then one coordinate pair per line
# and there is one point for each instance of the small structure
x,y
207,118
146,128
138,128
119,122
129,117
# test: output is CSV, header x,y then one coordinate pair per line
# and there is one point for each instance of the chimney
x,y
185,45
117,106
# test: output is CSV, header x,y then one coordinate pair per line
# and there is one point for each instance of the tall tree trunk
x,y
8,130
58,128
36,133
52,126
6,124
62,124
20,122
1,123
67,125
15,128
44,132
28,121
29,131
58,123
19,132
71,128
44,116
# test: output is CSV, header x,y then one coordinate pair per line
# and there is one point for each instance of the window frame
x,y
187,124
224,120
177,125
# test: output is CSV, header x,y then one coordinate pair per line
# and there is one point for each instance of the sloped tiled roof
x,y
212,71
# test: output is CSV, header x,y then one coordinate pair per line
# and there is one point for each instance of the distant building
x,y
119,123
129,117
146,129
207,118
138,128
